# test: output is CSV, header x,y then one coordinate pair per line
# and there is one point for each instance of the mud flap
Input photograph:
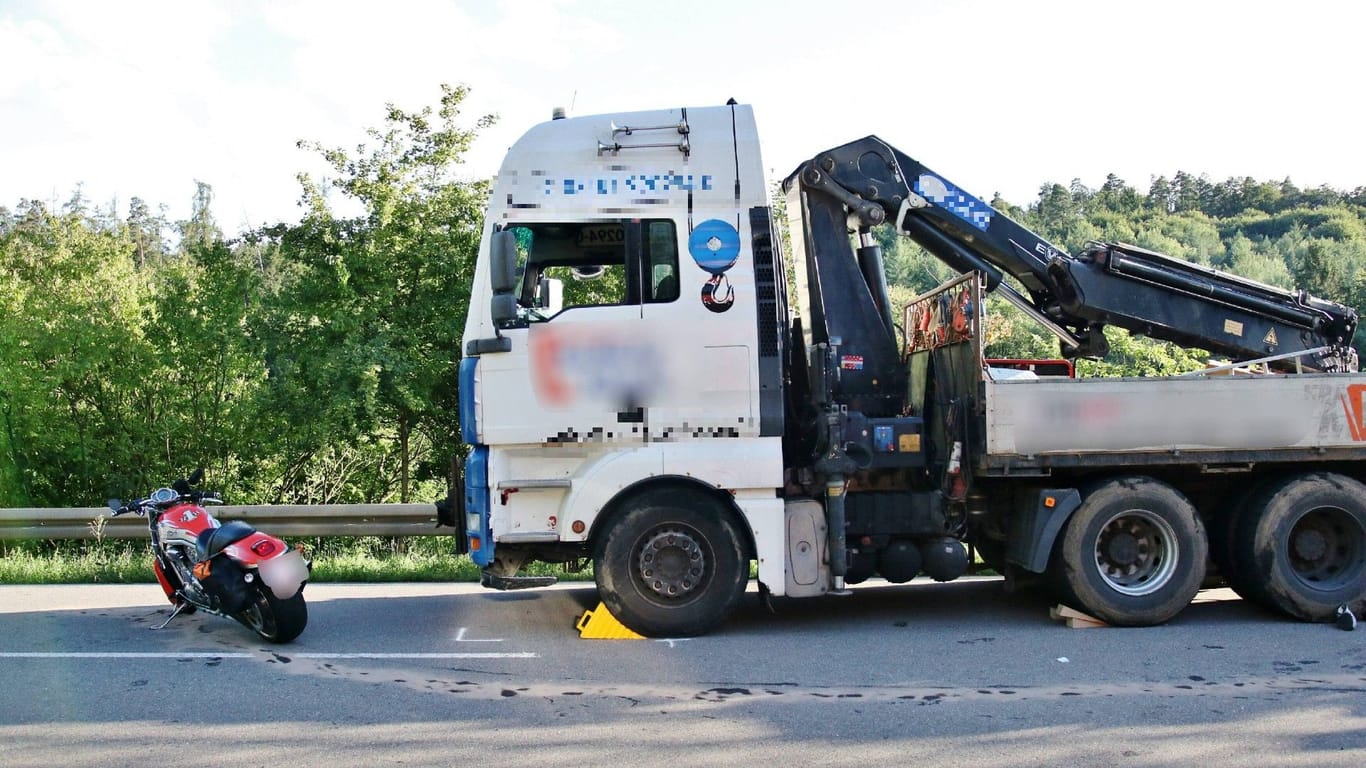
x,y
1035,525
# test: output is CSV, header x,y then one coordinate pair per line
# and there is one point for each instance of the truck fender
x,y
599,482
1035,525
624,499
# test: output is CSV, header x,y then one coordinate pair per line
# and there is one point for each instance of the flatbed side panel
x,y
1109,416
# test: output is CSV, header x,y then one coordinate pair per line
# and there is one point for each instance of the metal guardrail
x,y
280,520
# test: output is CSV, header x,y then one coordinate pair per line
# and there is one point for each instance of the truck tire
x,y
1222,531
1133,554
1301,546
673,565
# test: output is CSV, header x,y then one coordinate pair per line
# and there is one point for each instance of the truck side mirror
x,y
503,276
503,273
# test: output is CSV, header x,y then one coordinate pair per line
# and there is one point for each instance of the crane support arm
x,y
868,182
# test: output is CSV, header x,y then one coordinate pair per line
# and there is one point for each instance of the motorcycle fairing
x,y
184,523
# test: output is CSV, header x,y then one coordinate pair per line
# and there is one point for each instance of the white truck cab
x,y
619,358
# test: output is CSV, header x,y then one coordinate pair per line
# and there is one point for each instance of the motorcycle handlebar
x,y
120,508
164,498
200,497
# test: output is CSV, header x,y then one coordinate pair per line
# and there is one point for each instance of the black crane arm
x,y
868,182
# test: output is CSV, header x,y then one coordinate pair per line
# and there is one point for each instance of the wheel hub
x,y
1136,552
1325,548
1123,549
671,564
1310,544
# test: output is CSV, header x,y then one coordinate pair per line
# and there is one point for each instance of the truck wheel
x,y
1222,533
1301,546
672,566
1134,553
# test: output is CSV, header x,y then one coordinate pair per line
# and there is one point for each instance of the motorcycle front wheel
x,y
275,620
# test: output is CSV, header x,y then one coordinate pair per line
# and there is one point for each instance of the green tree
x,y
12,293
147,231
77,390
363,334
1009,333
1161,198
1322,267
1253,261
1138,356
203,300
1118,196
1189,193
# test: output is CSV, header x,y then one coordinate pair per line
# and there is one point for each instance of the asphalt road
x,y
926,674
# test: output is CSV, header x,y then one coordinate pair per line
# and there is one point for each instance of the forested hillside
x,y
316,362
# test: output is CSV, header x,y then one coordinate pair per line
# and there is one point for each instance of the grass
x,y
335,559
102,564
340,559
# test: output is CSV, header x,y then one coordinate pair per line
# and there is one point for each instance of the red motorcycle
x,y
227,569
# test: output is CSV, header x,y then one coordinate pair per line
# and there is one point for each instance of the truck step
x,y
515,582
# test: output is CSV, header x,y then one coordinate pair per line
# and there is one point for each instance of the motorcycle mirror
x,y
197,476
114,504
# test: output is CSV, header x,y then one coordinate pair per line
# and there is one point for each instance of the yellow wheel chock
x,y
600,624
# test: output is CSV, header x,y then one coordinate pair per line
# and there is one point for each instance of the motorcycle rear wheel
x,y
275,620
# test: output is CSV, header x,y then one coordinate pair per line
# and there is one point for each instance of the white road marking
x,y
205,655
524,655
460,638
119,655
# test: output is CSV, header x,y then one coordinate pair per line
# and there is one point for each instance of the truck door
x,y
705,317
584,365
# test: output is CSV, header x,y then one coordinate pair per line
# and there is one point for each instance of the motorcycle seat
x,y
213,540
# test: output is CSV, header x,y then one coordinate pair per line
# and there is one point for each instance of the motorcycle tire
x,y
275,620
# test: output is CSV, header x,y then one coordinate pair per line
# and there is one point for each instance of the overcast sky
x,y
130,98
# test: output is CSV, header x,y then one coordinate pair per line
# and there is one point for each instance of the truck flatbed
x,y
1217,420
